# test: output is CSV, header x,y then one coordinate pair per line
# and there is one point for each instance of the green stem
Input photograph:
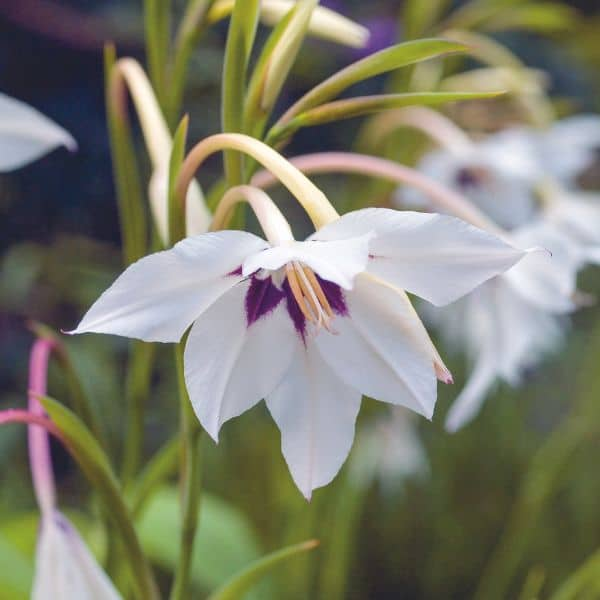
x,y
137,387
190,484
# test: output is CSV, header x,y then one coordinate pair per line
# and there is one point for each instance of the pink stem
x,y
441,197
39,443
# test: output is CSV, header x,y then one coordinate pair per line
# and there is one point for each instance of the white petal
x,y
230,366
336,261
65,568
437,257
469,401
546,280
198,217
26,134
158,297
382,348
315,412
578,216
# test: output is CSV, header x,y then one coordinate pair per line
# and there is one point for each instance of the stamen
x,y
316,286
309,295
296,290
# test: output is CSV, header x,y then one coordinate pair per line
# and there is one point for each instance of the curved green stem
x,y
190,484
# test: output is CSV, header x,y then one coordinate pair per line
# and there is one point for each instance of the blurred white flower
x,y
389,451
26,134
309,326
520,177
65,568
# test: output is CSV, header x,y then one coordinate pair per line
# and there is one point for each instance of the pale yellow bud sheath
x,y
312,199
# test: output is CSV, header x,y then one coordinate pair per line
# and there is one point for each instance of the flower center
x,y
309,295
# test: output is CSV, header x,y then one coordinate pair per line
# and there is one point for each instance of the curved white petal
x,y
337,261
382,348
230,365
546,280
316,413
197,218
158,297
471,398
65,568
437,257
26,134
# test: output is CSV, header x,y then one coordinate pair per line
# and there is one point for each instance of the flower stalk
x,y
441,197
312,199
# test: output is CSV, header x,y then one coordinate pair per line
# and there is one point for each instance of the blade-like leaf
x,y
131,203
354,107
96,467
176,210
543,18
16,573
241,583
384,61
240,39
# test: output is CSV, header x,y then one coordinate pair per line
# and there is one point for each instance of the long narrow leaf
x,y
354,107
241,583
240,40
381,62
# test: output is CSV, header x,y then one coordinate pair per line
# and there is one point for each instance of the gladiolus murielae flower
x,y
64,567
26,134
309,326
519,177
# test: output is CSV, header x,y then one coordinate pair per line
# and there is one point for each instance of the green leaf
x,y
274,64
381,62
176,210
354,107
132,213
224,544
16,572
95,465
241,583
240,39
542,18
157,24
419,16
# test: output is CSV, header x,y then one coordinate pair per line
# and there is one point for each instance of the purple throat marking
x,y
263,297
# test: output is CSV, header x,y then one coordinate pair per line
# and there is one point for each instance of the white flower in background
x,y
64,567
26,134
308,326
569,147
518,178
507,324
389,451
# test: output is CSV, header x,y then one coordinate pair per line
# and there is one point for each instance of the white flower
x,y
308,326
511,321
569,147
64,566
518,178
389,451
26,134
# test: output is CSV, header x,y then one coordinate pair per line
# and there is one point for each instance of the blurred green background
x,y
517,491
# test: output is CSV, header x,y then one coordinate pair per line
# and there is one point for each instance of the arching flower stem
x,y
442,198
311,198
